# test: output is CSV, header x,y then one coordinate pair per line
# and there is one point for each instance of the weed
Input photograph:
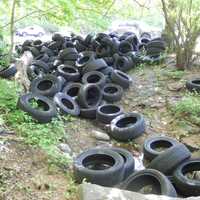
x,y
174,74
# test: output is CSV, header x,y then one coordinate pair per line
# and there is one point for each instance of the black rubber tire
x,y
72,89
157,44
41,64
89,96
152,51
129,162
167,161
42,116
90,113
84,58
34,51
47,85
140,179
186,186
121,79
48,51
8,72
94,77
151,143
112,92
33,72
123,63
106,113
125,47
43,57
193,85
66,104
99,158
122,130
70,73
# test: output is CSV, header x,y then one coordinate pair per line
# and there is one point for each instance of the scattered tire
x,y
94,77
45,110
66,104
89,96
70,73
121,79
159,182
129,162
127,126
72,89
187,186
47,85
151,145
8,72
99,166
193,85
167,161
112,92
106,113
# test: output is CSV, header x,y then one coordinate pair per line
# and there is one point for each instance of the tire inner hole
x,y
160,145
69,70
110,109
110,90
93,78
196,82
45,85
84,59
67,103
73,92
192,171
98,162
39,104
126,122
145,184
92,96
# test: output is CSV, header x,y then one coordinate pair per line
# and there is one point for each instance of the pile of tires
x,y
77,76
166,173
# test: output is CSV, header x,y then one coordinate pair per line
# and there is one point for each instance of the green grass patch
x,y
174,74
45,136
188,108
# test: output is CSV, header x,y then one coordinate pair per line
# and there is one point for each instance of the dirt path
x,y
25,173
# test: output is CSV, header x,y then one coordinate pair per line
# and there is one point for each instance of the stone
x,y
88,191
65,148
100,135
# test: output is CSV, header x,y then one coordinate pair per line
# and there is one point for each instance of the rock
x,y
65,148
88,191
100,135
175,86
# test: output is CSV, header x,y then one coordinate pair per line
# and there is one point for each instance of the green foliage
x,y
174,74
46,136
189,108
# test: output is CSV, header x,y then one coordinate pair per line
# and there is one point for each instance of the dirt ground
x,y
25,173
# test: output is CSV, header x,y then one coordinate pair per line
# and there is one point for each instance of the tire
x,y
167,161
47,85
106,113
66,104
33,72
193,85
112,92
140,179
42,116
129,162
127,126
121,79
84,58
70,73
151,143
34,51
48,51
89,96
90,113
123,63
186,186
8,72
91,165
125,47
72,89
43,57
157,44
94,77
41,64
153,51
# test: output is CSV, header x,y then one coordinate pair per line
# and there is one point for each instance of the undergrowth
x,y
188,108
46,136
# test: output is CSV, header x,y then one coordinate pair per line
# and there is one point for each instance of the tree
x,y
183,25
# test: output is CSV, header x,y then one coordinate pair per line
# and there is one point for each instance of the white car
x,y
35,31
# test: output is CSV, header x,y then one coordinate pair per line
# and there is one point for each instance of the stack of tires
x,y
78,76
166,173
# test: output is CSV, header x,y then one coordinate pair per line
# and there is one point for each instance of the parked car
x,y
35,31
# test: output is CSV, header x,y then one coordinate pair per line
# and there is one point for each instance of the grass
x,y
188,108
45,136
